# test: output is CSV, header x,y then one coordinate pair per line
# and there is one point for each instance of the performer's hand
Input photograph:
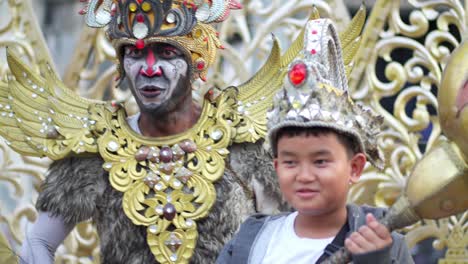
x,y
371,237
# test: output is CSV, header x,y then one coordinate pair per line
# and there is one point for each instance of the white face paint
x,y
158,76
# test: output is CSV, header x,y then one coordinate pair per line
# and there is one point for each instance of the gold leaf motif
x,y
384,25
154,196
410,83
182,255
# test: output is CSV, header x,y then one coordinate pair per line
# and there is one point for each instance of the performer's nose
x,y
151,72
149,69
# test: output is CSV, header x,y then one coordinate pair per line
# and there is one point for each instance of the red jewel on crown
x,y
298,74
140,44
200,65
140,18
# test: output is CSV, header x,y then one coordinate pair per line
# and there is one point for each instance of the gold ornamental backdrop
x,y
397,71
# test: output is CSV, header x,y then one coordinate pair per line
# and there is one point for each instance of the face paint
x,y
150,69
158,77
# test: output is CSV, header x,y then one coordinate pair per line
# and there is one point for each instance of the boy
x,y
320,141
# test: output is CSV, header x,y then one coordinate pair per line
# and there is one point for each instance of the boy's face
x,y
315,172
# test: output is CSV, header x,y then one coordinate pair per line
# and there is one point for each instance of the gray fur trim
x,y
232,207
251,161
71,188
78,189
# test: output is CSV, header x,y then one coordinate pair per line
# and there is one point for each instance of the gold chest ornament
x,y
168,183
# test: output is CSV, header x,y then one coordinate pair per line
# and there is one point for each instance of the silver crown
x,y
315,94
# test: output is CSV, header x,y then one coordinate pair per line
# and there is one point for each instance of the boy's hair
x,y
352,148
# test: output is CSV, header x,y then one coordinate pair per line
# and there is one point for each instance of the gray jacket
x,y
251,242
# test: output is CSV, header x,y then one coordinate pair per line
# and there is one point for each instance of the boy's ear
x,y
275,164
358,162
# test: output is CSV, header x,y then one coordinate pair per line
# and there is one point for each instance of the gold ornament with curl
x,y
40,116
168,183
256,95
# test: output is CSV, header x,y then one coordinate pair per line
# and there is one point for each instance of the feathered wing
x,y
42,117
255,96
350,39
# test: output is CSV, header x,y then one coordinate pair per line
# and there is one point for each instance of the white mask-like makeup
x,y
158,76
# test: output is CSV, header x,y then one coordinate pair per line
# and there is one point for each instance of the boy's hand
x,y
371,237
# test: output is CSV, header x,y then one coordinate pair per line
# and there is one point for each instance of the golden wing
x,y
255,96
350,39
7,254
42,117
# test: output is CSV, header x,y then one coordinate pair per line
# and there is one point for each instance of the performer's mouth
x,y
462,98
151,91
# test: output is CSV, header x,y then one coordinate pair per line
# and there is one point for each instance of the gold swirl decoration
x,y
412,81
86,72
398,73
20,176
167,182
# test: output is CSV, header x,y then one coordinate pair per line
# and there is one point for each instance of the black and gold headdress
x,y
184,24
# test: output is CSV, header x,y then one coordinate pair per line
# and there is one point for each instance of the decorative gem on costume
x,y
142,154
52,133
298,74
165,154
151,180
167,183
177,152
315,94
154,154
140,29
169,211
153,229
188,146
184,24
183,174
140,44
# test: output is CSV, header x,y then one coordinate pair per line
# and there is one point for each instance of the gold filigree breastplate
x,y
168,183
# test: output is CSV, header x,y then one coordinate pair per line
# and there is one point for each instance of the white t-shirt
x,y
286,247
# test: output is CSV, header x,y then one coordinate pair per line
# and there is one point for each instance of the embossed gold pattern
x,y
19,30
173,184
171,187
410,85
385,32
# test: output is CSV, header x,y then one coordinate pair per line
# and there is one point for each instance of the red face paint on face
x,y
150,62
157,76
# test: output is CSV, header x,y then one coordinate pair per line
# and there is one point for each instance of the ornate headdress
x,y
184,24
315,94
